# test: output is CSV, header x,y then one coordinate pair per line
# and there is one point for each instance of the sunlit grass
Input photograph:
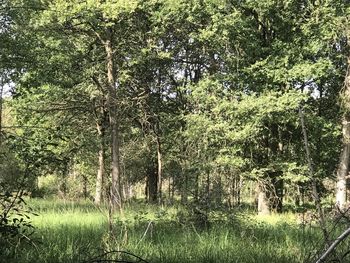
x,y
75,231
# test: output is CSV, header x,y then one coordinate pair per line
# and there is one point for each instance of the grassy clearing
x,y
74,232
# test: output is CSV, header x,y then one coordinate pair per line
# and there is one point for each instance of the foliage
x,y
196,100
233,235
16,228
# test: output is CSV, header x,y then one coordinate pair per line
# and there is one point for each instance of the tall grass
x,y
77,231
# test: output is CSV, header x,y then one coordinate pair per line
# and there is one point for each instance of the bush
x,y
15,223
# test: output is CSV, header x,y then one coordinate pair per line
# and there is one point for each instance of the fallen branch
x,y
334,245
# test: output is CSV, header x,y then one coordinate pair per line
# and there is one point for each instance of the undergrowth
x,y
76,231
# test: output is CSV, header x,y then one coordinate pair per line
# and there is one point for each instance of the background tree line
x,y
201,100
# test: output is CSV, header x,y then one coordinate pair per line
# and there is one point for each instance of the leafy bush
x,y
15,224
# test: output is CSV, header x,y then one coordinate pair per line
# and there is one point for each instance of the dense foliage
x,y
165,99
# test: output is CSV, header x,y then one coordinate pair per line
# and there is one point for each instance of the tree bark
x,y
159,171
1,103
113,120
101,165
152,181
343,168
315,193
263,200
344,162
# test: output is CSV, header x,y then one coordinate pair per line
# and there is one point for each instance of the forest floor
x,y
78,231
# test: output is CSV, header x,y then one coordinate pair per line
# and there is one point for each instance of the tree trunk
x,y
85,184
101,165
218,190
1,102
315,193
184,186
263,200
152,183
159,172
278,185
207,190
343,168
275,175
113,120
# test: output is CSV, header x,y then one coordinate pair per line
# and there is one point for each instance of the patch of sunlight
x,y
53,219
275,219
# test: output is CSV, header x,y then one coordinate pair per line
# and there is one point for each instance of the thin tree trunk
x,y
315,194
113,119
101,166
159,172
85,190
184,186
208,193
1,103
239,190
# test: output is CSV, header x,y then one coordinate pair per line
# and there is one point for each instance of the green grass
x,y
77,231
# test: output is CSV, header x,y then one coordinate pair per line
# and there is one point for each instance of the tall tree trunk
x,y
207,189
238,191
113,119
101,164
1,103
218,190
152,181
275,176
315,193
184,186
159,170
344,162
343,168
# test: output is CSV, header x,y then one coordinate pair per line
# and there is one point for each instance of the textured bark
x,y
343,167
116,201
